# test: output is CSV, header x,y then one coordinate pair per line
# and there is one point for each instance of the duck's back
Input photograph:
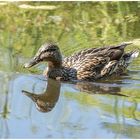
x,y
96,62
89,54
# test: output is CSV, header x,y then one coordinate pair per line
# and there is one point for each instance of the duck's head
x,y
48,52
40,101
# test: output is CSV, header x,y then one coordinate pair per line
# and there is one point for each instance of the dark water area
x,y
32,106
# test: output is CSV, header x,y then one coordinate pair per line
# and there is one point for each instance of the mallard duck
x,y
89,64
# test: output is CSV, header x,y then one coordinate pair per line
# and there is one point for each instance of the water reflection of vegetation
x,y
4,111
81,26
127,130
120,107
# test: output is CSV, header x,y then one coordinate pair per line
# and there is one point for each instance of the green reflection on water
x,y
74,25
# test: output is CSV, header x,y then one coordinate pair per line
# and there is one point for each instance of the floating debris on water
x,y
42,7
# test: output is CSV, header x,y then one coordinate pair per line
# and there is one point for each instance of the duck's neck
x,y
54,64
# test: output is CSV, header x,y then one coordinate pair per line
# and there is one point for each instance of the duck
x,y
88,64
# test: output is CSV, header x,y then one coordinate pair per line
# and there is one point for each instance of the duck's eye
x,y
49,50
53,49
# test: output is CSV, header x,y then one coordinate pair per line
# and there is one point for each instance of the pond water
x,y
32,106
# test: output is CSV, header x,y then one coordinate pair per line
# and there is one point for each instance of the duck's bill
x,y
32,96
31,63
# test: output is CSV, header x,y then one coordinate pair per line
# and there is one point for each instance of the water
x,y
32,106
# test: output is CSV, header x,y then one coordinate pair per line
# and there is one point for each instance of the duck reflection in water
x,y
46,101
99,88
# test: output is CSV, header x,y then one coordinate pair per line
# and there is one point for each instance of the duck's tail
x,y
121,46
124,44
125,61
129,57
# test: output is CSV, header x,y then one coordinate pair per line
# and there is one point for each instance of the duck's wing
x,y
96,63
76,57
114,52
91,69
97,68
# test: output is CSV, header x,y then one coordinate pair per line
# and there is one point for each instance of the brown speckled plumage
x,y
89,64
